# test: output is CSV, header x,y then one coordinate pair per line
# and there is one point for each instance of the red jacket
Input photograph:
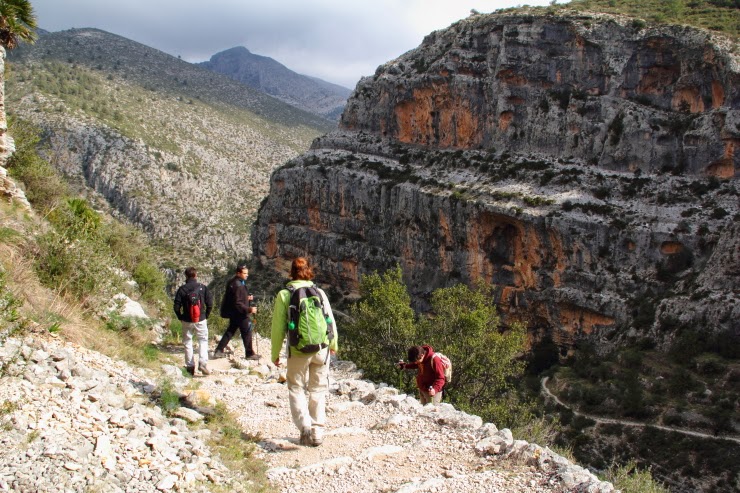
x,y
431,371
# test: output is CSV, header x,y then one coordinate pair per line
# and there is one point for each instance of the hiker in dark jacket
x,y
190,327
236,306
430,378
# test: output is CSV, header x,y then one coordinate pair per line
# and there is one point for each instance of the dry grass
x,y
47,309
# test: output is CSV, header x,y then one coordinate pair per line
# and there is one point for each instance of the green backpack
x,y
309,326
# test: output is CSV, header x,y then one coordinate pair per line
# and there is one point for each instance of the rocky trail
x,y
75,420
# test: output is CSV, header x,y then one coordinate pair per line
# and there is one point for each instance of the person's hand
x,y
399,365
277,362
253,309
250,297
432,391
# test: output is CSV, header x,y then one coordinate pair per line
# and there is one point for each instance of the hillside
x,y
722,16
271,77
180,151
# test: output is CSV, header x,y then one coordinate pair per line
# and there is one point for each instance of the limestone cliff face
x,y
596,89
585,168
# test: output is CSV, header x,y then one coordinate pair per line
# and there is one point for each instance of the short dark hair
x,y
240,268
191,273
414,352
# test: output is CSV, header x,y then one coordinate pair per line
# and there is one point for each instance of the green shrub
x,y
465,326
381,326
44,186
629,478
71,266
119,323
540,430
174,334
10,319
151,352
169,397
150,280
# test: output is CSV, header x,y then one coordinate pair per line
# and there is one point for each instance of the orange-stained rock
x,y
437,116
511,78
504,120
576,320
688,97
349,271
315,220
723,168
718,94
657,79
671,247
270,246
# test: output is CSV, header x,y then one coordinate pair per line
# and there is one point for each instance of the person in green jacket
x,y
305,371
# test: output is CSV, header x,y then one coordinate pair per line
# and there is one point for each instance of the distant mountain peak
x,y
275,79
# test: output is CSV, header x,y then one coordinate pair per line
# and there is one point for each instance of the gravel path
x,y
376,440
73,420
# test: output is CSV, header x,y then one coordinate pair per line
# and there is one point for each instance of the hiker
x,y
193,304
236,307
308,360
430,378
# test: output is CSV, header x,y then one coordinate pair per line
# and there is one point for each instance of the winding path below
x,y
599,419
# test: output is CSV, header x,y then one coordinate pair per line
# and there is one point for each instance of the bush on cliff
x,y
382,327
463,324
44,187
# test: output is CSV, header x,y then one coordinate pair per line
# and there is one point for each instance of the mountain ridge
x,y
273,78
174,148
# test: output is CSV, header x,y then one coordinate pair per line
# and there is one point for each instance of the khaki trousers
x,y
308,373
425,398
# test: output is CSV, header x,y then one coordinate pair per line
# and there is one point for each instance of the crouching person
x,y
430,376
302,313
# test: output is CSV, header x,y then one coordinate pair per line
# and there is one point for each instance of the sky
x,y
338,41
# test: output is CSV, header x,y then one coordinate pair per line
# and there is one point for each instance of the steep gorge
x,y
583,164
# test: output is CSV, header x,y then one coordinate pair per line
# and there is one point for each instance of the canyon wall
x,y
583,165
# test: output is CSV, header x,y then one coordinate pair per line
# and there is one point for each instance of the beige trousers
x,y
425,398
200,331
308,373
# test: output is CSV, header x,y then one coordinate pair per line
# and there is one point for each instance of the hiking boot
x,y
190,370
316,437
306,437
204,369
218,354
253,356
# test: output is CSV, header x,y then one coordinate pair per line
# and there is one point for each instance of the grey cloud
x,y
336,40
